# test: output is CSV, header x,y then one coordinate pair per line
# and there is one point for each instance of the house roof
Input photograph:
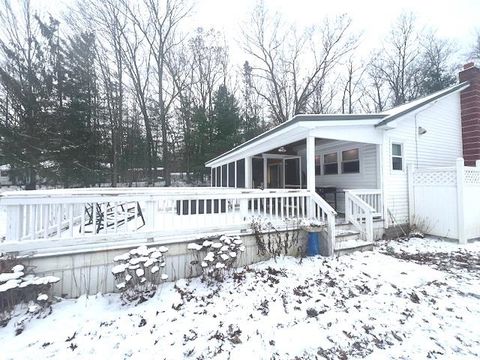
x,y
401,110
383,118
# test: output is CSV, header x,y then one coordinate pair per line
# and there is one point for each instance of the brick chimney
x,y
470,113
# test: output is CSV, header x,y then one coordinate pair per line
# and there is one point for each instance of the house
x,y
354,177
367,165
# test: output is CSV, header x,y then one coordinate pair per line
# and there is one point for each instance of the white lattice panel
x,y
435,177
472,176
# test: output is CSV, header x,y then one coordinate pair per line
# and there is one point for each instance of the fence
x,y
445,201
79,216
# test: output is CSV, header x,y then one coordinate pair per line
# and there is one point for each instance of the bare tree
x,y
159,24
375,88
352,79
398,63
293,65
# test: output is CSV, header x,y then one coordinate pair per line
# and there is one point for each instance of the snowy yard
x,y
403,300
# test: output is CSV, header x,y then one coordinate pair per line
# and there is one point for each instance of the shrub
x,y
18,285
217,258
138,272
274,242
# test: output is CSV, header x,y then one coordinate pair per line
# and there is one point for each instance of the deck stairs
x,y
348,239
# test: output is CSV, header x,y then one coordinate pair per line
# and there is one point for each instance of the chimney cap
x,y
468,65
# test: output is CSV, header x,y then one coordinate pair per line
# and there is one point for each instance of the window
x,y
224,176
350,161
317,165
218,183
330,164
241,173
231,174
214,176
397,157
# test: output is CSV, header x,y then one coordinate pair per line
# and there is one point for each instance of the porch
x,y
346,174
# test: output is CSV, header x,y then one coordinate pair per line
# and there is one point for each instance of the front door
x,y
275,173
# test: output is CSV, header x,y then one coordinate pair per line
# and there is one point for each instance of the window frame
x,y
330,163
401,156
350,161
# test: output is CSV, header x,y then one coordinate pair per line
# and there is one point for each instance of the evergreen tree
x,y
27,75
226,117
79,153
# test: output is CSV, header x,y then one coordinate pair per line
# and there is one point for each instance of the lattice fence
x,y
435,177
472,176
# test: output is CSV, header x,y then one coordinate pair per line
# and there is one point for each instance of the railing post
x,y
348,209
13,223
369,226
331,232
460,169
150,207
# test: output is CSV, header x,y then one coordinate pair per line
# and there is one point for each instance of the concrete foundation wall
x,y
90,272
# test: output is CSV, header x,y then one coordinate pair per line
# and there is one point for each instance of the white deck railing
x,y
361,206
136,213
372,197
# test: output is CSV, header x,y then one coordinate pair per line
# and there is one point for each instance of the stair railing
x,y
360,214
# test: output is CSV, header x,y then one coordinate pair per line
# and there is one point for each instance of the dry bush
x,y
138,272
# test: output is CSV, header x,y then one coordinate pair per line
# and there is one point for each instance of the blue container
x,y
312,244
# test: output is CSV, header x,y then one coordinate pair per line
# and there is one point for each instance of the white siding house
x,y
429,137
363,159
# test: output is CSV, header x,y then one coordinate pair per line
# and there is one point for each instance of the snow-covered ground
x,y
402,300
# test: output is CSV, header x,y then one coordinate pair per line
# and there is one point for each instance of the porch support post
x,y
248,172
310,158
264,172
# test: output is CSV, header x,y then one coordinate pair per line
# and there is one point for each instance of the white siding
x,y
366,179
439,146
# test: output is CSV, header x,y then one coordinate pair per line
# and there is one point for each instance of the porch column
x,y
248,172
310,159
264,172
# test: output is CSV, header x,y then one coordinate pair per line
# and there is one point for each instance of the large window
x,y
224,175
241,173
231,174
350,161
397,156
214,176
218,176
257,173
330,164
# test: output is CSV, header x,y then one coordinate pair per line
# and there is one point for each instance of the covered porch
x,y
340,161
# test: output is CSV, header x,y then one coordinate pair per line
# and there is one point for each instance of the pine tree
x,y
226,116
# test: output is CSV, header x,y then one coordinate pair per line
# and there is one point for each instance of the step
x,y
346,235
348,247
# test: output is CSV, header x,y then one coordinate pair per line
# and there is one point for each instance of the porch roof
x,y
330,126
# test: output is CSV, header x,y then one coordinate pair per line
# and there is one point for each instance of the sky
x,y
457,20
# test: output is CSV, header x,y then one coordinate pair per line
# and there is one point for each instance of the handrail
x,y
328,211
372,197
360,214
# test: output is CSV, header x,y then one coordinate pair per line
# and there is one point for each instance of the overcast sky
x,y
455,19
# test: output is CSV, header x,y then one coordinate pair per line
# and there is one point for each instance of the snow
x,y
414,299
42,297
10,276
